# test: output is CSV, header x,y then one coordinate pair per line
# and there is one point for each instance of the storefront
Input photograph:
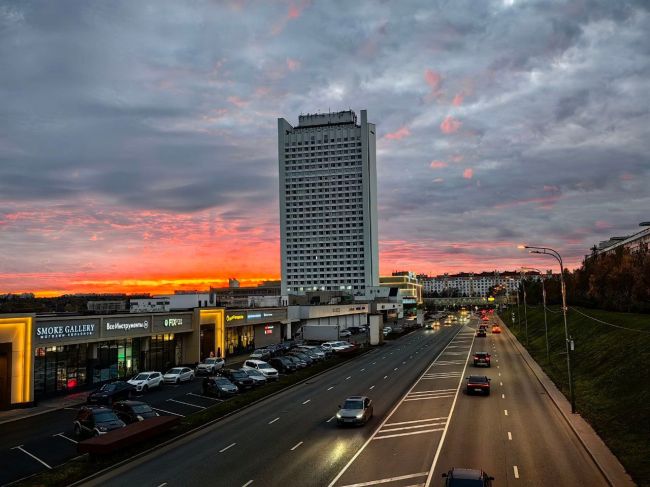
x,y
79,352
253,328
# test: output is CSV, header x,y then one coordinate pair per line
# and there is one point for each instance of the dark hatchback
x,y
466,477
282,364
110,393
133,411
296,361
302,356
478,384
219,387
95,421
239,378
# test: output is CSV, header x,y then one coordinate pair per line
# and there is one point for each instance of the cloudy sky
x,y
138,140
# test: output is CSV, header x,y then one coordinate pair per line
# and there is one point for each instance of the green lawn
x,y
610,369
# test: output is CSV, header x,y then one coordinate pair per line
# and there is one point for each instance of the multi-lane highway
x,y
424,424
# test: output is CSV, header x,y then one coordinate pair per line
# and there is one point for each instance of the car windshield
x,y
238,374
141,377
175,371
108,387
210,361
253,372
222,382
477,378
465,483
353,404
105,416
481,354
141,408
264,366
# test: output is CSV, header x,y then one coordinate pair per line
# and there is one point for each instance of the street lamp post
x,y
523,285
548,356
556,255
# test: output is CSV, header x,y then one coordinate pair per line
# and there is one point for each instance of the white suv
x,y
210,365
146,380
267,371
335,346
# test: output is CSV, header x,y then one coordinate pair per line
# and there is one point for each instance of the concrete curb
x,y
609,466
208,424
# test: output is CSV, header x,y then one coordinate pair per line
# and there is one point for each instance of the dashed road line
x,y
330,388
330,419
516,471
305,402
296,445
509,435
505,411
503,396
385,377
247,483
273,420
372,387
229,446
348,377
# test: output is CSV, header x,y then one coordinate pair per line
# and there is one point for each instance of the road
x,y
291,438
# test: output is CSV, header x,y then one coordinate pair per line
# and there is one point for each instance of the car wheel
x,y
145,388
191,377
77,431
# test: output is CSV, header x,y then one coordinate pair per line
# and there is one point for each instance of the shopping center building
x,y
42,356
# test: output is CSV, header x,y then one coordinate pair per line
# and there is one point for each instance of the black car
x,y
296,361
481,333
239,378
110,393
282,364
95,421
467,477
302,356
478,384
219,387
133,411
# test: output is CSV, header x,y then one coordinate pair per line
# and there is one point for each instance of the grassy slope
x,y
610,369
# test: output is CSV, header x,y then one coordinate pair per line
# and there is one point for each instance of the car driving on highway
x,y
355,410
481,359
496,329
478,384
466,477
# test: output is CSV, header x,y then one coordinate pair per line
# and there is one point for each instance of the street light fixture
x,y
556,255
541,276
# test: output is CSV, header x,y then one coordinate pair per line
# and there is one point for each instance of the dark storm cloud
x,y
527,119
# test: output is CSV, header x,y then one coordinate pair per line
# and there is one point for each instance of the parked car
x,y
336,346
111,392
258,378
95,421
146,380
178,375
313,354
481,359
466,477
355,330
238,377
345,333
260,354
218,386
302,356
269,372
312,351
387,330
355,410
210,365
290,364
478,384
283,366
296,361
133,411
496,329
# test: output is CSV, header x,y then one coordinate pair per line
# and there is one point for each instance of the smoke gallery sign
x,y
65,330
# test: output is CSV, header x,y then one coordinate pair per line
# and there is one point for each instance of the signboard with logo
x,y
265,316
126,326
235,318
174,323
66,330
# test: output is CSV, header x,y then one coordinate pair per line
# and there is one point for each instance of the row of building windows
x,y
328,140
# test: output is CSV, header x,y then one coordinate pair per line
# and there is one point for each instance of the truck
x,y
320,333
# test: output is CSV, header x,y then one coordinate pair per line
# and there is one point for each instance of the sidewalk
x,y
604,459
44,406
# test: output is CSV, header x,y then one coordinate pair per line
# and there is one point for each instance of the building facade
x,y
328,203
469,284
409,288
633,242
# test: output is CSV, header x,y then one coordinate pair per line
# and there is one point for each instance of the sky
x,y
138,140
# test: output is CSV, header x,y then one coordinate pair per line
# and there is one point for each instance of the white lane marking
x,y
396,368
20,447
499,374
427,425
163,484
360,450
348,377
501,384
505,411
204,397
497,366
330,388
273,421
403,363
330,419
385,377
503,396
247,483
64,436
308,400
385,481
186,403
423,398
362,370
407,434
168,412
373,363
509,436
416,421
296,446
372,387
516,470
229,446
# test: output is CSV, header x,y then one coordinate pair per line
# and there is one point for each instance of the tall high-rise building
x,y
328,203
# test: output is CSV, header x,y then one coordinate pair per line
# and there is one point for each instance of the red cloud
x,y
438,164
458,100
468,173
293,64
450,125
398,134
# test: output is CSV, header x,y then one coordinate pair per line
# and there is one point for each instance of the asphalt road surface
x,y
291,438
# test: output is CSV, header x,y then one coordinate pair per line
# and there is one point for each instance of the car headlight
x,y
140,418
360,415
338,415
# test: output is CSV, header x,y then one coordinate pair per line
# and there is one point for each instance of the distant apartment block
x,y
328,204
632,242
469,284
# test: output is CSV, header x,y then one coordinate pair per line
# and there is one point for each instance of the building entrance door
x,y
5,375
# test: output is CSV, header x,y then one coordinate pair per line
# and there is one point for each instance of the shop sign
x,y
235,317
268,329
265,316
126,326
172,323
66,330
